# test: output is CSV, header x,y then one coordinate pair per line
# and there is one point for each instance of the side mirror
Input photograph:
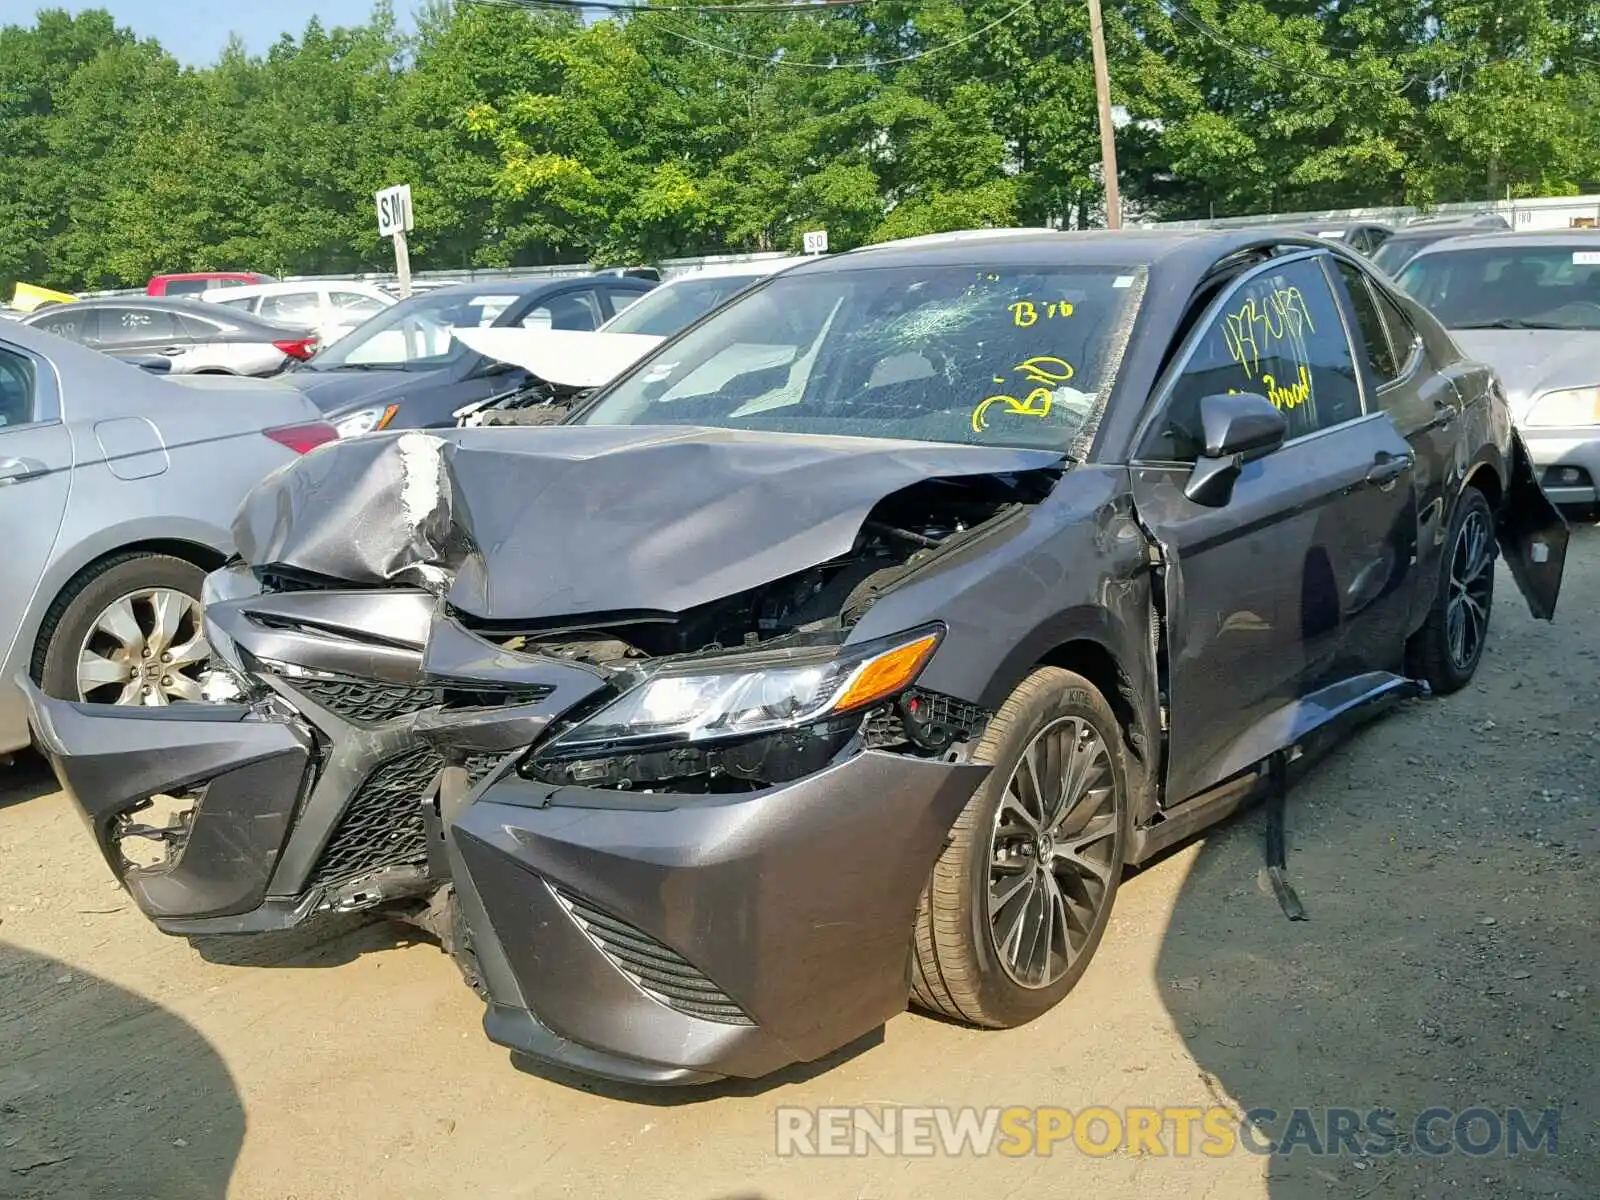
x,y
1237,428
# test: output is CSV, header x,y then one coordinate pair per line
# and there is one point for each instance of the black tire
x,y
89,593
1429,655
957,968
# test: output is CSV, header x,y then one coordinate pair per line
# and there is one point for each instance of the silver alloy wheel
x,y
1471,585
147,647
1053,851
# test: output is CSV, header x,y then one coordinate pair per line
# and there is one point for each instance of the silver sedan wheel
x,y
1053,853
147,647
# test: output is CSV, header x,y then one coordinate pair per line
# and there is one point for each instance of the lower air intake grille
x,y
382,824
365,703
370,702
663,974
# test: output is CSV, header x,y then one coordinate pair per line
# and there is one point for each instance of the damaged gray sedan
x,y
844,651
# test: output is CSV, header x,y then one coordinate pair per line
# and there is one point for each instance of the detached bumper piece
x,y
372,759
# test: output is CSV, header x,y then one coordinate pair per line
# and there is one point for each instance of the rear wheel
x,y
1021,895
126,631
1446,651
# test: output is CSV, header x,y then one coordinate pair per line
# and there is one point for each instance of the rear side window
x,y
1278,335
354,304
574,310
188,287
294,308
16,389
125,326
1369,322
74,325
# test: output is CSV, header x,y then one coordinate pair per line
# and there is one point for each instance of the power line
x,y
1261,56
865,63
795,6
758,6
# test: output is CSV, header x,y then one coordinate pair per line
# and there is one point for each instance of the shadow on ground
x,y
325,941
1446,857
104,1094
25,778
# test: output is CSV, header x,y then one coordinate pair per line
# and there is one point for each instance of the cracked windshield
x,y
1006,356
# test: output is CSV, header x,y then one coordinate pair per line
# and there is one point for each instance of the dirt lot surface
x,y
1447,857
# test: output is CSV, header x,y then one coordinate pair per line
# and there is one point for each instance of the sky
x,y
195,31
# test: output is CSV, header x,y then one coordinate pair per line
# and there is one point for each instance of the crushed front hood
x,y
537,522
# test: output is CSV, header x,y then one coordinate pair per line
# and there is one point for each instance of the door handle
x,y
1389,467
172,351
15,470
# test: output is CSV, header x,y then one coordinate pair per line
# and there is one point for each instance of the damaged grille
x,y
382,825
663,974
370,702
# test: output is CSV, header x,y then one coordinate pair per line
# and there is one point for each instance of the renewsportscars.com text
x,y
1170,1131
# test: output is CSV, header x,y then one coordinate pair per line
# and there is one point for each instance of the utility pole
x,y
1108,132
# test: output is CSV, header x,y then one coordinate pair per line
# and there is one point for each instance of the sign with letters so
x,y
394,210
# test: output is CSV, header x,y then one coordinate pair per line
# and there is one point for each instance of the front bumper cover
x,y
648,938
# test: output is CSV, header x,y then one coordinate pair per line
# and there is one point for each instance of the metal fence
x,y
1545,212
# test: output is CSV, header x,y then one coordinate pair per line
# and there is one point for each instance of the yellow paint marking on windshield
x,y
1036,404
1027,313
1044,369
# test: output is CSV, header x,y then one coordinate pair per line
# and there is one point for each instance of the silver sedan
x,y
195,338
1528,304
117,488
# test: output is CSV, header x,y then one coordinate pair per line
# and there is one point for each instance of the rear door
x,y
1298,585
35,477
1425,408
134,329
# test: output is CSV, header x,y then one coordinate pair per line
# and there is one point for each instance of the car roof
x,y
198,308
1053,247
287,287
754,267
531,286
1541,239
176,275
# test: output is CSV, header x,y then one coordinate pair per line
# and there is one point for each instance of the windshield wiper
x,y
1512,323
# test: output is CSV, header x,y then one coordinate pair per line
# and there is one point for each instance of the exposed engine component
x,y
904,533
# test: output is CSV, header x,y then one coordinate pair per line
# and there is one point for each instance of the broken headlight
x,y
762,717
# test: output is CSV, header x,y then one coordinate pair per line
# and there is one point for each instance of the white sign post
x,y
394,219
816,242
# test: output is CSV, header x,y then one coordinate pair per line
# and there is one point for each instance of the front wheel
x,y
126,631
1021,895
1446,651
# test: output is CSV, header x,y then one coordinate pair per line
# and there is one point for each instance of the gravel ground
x,y
1446,857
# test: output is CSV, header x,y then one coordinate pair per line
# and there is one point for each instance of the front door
x,y
1300,581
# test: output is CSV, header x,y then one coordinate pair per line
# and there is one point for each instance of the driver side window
x,y
1278,335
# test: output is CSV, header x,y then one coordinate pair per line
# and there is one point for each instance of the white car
x,y
331,308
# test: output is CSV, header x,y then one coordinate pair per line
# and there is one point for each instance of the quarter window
x,y
1278,335
1370,322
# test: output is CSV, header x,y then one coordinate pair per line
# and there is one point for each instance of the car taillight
x,y
301,348
303,438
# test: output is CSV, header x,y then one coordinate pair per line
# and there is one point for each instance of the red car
x,y
194,282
